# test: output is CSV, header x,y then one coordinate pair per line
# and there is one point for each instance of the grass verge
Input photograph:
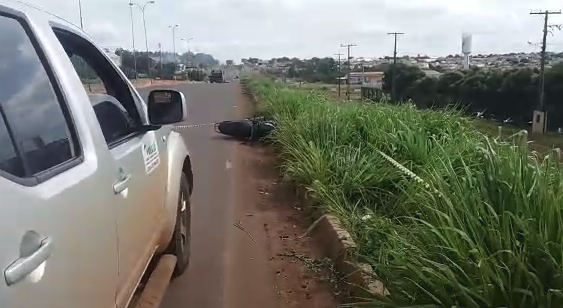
x,y
542,143
445,215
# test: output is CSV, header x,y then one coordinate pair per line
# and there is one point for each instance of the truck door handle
x,y
24,266
122,183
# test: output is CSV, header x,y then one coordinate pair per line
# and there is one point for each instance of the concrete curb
x,y
338,245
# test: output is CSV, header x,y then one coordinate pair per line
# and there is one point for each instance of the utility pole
x,y
348,46
363,74
284,74
545,14
339,71
363,81
394,71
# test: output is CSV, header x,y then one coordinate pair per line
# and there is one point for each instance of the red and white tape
x,y
193,125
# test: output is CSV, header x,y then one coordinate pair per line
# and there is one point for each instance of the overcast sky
x,y
233,29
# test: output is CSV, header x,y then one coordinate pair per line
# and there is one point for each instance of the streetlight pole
x,y
160,54
187,41
81,67
133,39
143,7
174,43
80,13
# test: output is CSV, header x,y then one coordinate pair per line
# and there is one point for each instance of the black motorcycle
x,y
252,129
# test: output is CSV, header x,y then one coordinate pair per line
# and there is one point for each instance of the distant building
x,y
115,58
180,67
432,73
367,78
165,57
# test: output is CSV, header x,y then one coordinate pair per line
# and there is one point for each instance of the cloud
x,y
232,29
104,32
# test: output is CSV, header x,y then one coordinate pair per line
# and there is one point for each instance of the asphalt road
x,y
241,219
203,283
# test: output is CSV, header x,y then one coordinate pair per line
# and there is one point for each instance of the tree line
x,y
159,65
509,95
325,70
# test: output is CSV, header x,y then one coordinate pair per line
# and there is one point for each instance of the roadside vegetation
x,y
445,215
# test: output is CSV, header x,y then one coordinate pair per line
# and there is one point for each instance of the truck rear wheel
x,y
180,243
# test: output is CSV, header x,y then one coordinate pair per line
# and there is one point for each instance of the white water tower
x,y
466,45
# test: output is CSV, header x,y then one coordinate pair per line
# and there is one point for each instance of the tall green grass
x,y
444,215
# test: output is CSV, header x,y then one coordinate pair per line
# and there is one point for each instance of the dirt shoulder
x,y
147,83
268,264
141,83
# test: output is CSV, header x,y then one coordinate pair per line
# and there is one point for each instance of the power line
x,y
348,46
394,71
545,14
339,71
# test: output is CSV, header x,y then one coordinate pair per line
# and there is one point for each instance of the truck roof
x,y
36,13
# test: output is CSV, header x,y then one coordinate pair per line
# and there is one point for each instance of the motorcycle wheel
x,y
236,129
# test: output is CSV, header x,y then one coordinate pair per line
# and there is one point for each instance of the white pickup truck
x,y
94,186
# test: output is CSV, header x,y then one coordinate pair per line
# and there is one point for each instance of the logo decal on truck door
x,y
150,156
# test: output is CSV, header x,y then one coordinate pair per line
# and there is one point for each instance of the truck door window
x,y
113,84
32,109
91,81
113,118
10,161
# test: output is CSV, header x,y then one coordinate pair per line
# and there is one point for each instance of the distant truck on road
x,y
217,76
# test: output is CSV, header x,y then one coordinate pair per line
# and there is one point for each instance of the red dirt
x,y
145,83
278,269
142,83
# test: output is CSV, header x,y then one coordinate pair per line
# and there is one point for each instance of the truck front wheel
x,y
180,243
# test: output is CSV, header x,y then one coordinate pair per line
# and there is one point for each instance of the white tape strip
x,y
193,126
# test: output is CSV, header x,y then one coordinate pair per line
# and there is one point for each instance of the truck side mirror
x,y
166,107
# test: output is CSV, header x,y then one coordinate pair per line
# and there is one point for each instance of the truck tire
x,y
180,243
